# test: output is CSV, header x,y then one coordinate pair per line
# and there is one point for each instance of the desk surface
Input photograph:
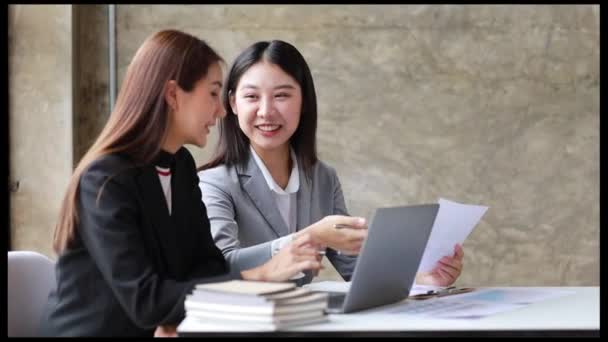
x,y
576,314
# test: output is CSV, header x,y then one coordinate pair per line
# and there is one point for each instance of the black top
x,y
131,263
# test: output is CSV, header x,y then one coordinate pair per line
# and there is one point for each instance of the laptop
x,y
389,258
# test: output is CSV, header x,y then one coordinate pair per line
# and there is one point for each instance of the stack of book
x,y
241,305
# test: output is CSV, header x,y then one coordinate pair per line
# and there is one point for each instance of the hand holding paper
x,y
453,224
446,271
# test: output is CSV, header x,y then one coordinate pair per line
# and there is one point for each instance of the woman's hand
x,y
347,240
299,255
446,272
319,259
165,331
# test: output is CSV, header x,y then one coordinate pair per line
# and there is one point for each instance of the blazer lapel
x,y
255,185
304,199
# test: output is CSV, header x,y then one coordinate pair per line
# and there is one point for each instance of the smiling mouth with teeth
x,y
268,128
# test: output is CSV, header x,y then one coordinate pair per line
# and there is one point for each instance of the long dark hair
x,y
138,124
233,144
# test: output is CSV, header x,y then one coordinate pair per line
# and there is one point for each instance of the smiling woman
x,y
265,186
133,237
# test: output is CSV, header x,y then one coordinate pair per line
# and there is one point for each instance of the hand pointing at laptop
x,y
330,232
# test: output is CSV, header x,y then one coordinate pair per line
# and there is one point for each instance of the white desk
x,y
571,315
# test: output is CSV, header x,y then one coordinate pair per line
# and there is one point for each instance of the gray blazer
x,y
245,219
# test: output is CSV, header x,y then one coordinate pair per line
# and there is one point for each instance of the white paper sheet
x,y
444,308
514,295
477,304
453,224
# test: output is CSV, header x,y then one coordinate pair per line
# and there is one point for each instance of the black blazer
x,y
131,263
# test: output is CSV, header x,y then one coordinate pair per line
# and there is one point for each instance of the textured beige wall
x,y
40,116
493,105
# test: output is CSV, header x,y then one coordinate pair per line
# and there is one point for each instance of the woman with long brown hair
x,y
133,237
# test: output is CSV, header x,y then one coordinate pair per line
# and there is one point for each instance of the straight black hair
x,y
233,145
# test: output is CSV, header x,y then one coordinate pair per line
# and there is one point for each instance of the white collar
x,y
294,178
